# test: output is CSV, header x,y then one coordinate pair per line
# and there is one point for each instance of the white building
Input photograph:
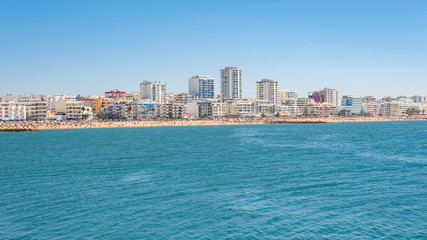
x,y
352,104
241,108
27,97
283,95
12,111
219,109
36,110
231,83
202,86
52,99
266,89
332,96
154,91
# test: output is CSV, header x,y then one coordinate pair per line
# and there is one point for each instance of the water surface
x,y
335,181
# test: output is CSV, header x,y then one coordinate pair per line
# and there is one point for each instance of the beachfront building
x,y
267,90
12,111
53,98
154,91
70,110
101,102
171,110
36,110
296,106
115,94
320,109
201,109
231,83
201,86
114,111
241,108
142,110
372,108
327,95
267,108
389,109
219,109
352,105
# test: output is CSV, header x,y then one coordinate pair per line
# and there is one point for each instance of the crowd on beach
x,y
198,122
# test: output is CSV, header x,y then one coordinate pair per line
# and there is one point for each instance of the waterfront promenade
x,y
40,125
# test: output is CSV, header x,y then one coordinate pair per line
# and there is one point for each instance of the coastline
x,y
164,123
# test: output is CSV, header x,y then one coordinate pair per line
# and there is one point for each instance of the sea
x,y
357,180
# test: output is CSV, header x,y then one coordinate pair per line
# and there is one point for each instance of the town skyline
x,y
360,47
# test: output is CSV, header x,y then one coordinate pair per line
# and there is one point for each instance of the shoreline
x,y
166,123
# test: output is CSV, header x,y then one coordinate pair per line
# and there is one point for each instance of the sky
x,y
360,47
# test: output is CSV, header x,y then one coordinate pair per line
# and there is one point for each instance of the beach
x,y
43,125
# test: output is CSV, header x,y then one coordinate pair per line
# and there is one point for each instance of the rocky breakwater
x,y
298,121
18,130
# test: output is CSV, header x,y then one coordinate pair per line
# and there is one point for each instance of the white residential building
x,y
231,83
154,91
12,111
202,86
267,90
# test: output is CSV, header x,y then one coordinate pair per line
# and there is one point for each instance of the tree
x,y
263,115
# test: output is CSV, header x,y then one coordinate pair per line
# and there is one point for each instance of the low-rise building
x,y
115,94
201,109
36,110
13,112
71,110
321,109
171,110
219,109
353,105
390,109
372,108
241,108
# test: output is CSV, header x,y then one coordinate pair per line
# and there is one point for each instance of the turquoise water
x,y
335,181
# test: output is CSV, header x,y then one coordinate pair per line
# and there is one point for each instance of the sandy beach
x,y
163,123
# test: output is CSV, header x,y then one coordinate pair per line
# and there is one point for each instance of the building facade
x,y
115,94
154,91
231,83
267,90
201,86
354,105
72,110
13,112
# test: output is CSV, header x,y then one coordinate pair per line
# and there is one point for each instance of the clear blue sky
x,y
361,47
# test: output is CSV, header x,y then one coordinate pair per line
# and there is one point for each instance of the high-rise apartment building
x,y
154,91
201,86
231,83
332,96
266,89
